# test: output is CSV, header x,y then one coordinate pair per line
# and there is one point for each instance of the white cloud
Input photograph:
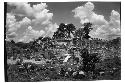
x,y
50,29
104,28
12,35
36,33
22,8
39,7
86,14
111,29
10,22
29,28
31,34
10,19
25,21
38,12
36,15
37,20
98,19
43,17
24,39
13,25
89,6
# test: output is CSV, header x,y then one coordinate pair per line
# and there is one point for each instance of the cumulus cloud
x,y
104,29
24,39
12,25
36,17
50,29
25,21
12,35
110,30
10,18
86,14
22,9
38,12
43,18
89,6
10,22
31,34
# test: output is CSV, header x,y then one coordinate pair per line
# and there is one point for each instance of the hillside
x,y
64,58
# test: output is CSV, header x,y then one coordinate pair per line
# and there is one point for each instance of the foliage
x,y
101,61
64,31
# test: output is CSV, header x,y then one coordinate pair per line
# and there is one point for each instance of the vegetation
x,y
45,58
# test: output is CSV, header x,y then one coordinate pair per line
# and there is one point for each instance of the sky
x,y
28,21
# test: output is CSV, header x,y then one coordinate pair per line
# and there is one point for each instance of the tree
x,y
84,32
39,38
55,35
64,31
79,33
60,33
62,27
89,60
12,41
46,39
87,29
69,29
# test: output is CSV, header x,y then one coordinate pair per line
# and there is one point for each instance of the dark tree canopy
x,y
70,28
62,27
12,41
64,31
87,28
84,32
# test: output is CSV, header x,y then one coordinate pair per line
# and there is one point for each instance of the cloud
x,y
10,18
36,16
12,35
86,14
111,30
37,11
13,25
102,28
25,21
23,9
50,29
10,22
43,17
89,6
31,34
24,39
